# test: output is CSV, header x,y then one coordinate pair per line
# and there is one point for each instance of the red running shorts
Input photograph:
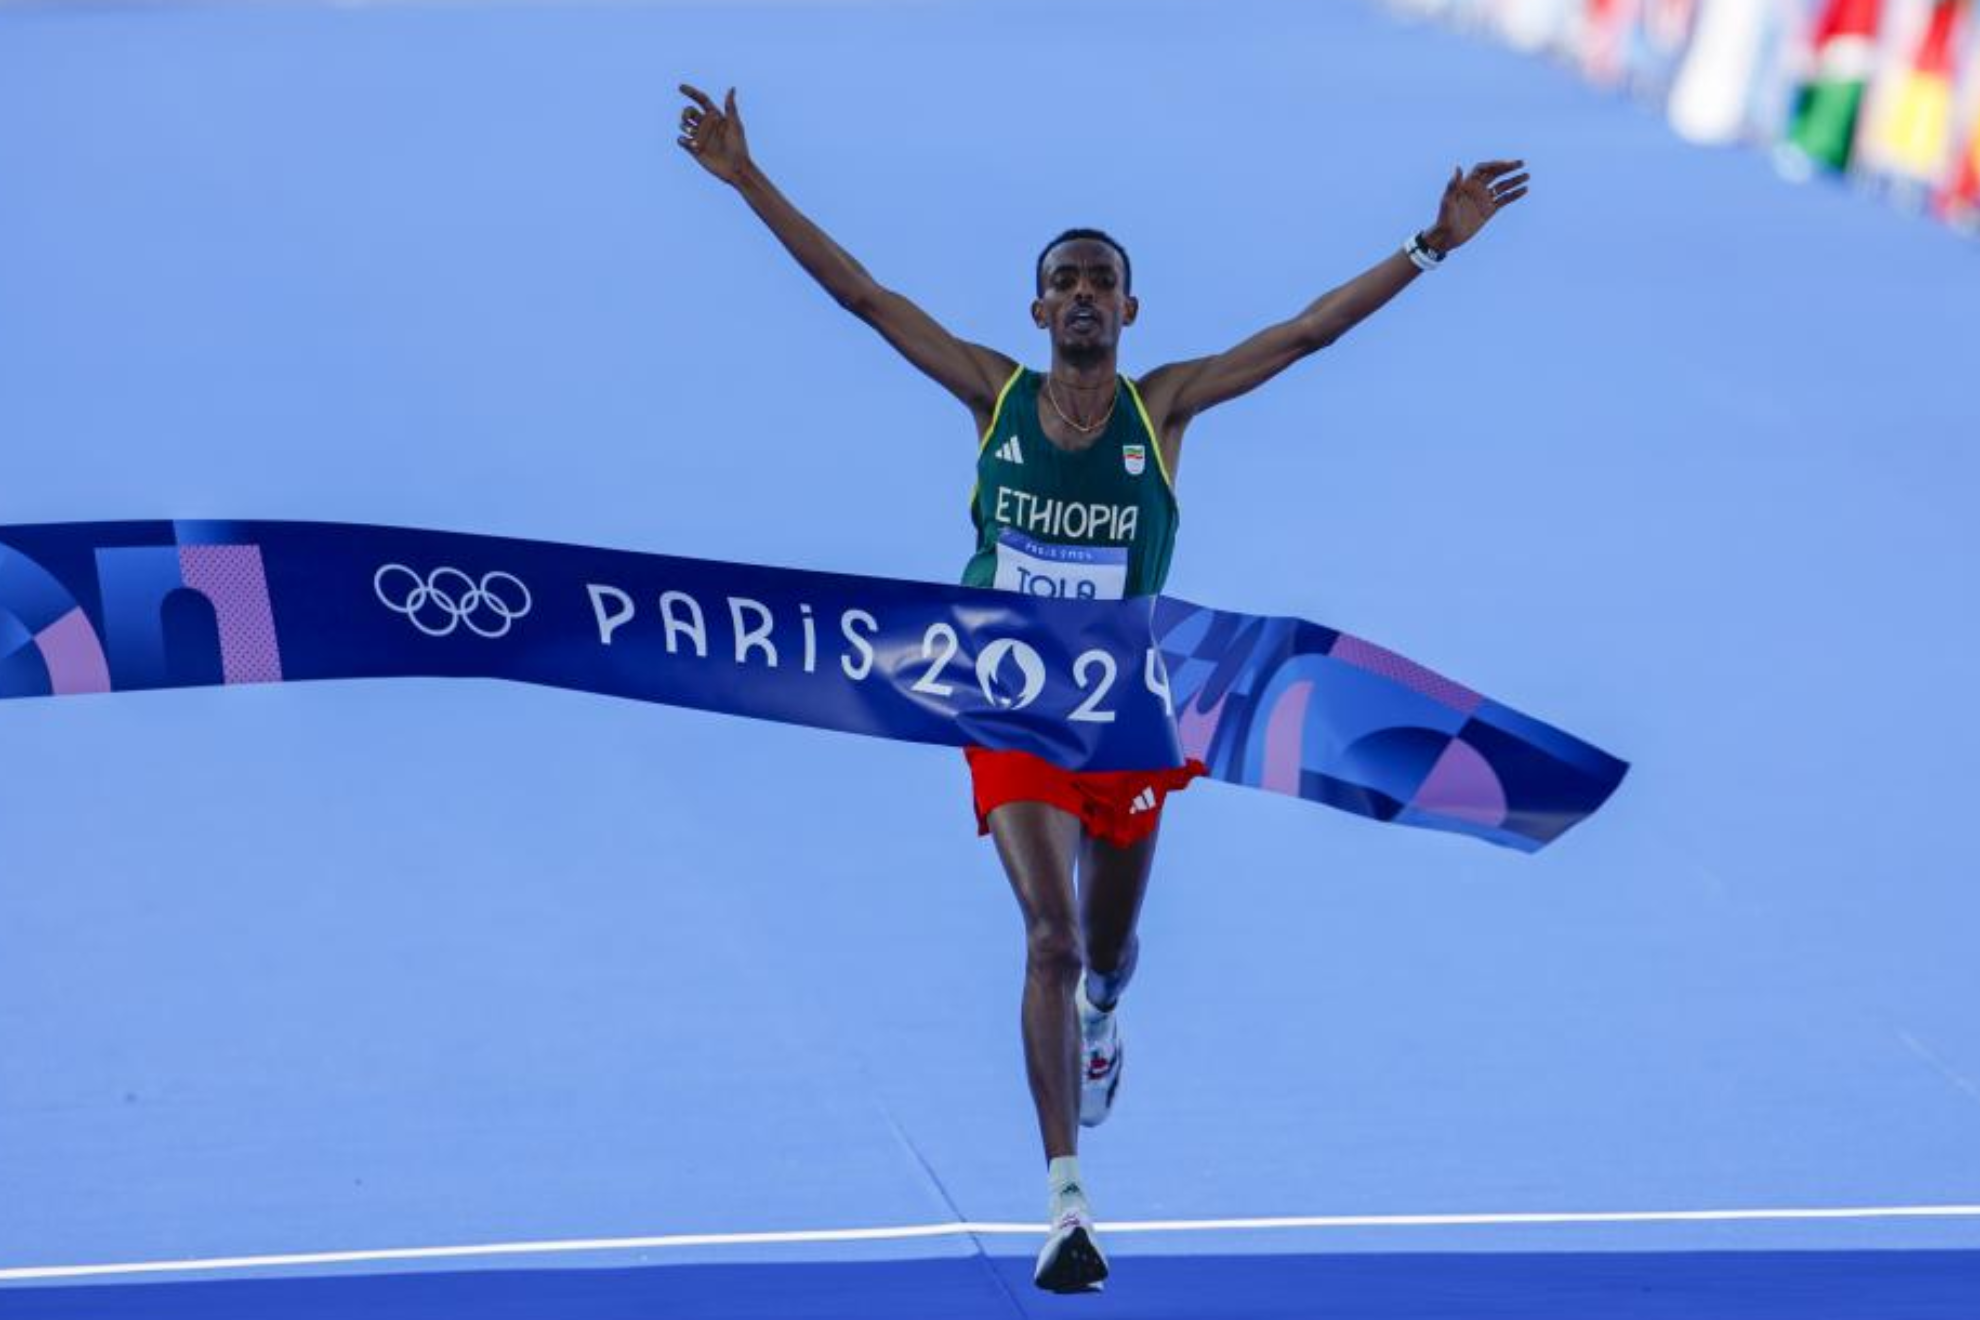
x,y
1121,806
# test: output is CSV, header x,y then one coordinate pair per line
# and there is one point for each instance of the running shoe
x,y
1100,1076
1071,1261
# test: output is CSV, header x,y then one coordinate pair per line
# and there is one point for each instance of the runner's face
x,y
1084,304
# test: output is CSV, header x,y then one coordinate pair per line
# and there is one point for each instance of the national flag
x,y
1845,48
1656,45
1959,200
1535,25
1902,23
1910,130
1726,61
1602,44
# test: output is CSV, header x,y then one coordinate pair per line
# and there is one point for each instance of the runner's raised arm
x,y
974,374
1177,392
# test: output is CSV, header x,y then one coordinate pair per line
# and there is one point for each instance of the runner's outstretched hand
x,y
714,137
1472,199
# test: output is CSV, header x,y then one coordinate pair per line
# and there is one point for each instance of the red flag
x,y
1959,200
1603,45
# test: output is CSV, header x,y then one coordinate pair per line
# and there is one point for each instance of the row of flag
x,y
1886,91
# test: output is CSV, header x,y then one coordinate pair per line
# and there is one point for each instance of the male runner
x,y
1075,496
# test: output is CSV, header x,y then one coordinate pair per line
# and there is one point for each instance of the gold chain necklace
x,y
1083,430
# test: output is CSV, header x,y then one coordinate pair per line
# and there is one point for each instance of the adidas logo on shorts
x,y
1010,452
1143,801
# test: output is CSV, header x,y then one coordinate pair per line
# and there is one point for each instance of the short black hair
x,y
1097,235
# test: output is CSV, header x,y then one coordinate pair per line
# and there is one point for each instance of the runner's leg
x,y
1037,843
1112,883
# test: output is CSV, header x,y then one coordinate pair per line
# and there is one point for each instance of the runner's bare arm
x,y
1177,392
971,372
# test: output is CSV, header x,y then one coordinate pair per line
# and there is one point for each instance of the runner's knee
x,y
1053,949
1110,965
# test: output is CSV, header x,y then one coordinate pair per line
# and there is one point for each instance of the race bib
x,y
1067,572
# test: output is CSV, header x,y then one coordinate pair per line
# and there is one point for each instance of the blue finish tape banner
x,y
1297,708
1279,704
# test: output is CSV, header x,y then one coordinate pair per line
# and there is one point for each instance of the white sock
x,y
1062,1185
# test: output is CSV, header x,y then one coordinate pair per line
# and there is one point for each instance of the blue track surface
x,y
1878,1285
1677,456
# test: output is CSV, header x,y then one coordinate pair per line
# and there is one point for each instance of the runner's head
x,y
1083,299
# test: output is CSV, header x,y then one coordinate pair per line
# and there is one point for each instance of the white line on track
x,y
959,1229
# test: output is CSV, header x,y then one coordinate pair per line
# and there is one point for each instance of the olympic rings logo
x,y
447,598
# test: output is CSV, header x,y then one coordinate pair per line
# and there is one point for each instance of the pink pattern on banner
x,y
1463,784
1399,669
73,655
1285,737
231,577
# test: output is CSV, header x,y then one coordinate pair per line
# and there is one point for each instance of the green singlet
x,y
1099,524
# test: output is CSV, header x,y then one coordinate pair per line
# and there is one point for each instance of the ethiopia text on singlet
x,y
1093,524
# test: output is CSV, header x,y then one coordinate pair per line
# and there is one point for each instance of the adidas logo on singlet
x,y
1010,452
